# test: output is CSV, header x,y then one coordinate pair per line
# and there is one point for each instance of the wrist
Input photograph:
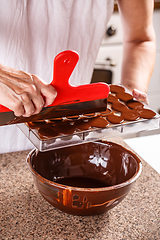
x,y
139,85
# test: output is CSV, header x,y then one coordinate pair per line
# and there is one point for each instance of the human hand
x,y
140,96
25,94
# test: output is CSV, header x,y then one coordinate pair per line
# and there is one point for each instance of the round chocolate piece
x,y
146,113
98,122
48,132
116,88
123,96
115,119
119,107
130,115
112,99
82,124
134,104
65,128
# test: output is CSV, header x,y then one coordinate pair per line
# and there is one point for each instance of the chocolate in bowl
x,y
86,179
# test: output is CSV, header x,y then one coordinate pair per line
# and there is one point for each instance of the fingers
x,y
38,103
140,96
24,106
39,95
17,108
31,104
23,93
48,92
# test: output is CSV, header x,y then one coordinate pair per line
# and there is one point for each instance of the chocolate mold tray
x,y
113,130
124,115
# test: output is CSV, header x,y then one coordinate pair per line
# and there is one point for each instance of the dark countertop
x,y
26,215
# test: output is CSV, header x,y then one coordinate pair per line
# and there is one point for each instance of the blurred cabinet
x,y
109,58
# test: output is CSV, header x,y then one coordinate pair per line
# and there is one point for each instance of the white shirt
x,y
32,33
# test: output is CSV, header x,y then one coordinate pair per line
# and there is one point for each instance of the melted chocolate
x,y
110,163
130,115
89,115
82,124
122,102
37,124
105,113
98,122
48,131
65,110
112,99
57,128
119,106
123,96
113,118
84,168
134,104
146,113
116,88
82,182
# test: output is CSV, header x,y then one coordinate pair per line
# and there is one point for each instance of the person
x,y
32,34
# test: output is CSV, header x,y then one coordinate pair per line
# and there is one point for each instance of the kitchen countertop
x,y
26,215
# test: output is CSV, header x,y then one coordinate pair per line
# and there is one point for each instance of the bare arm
x,y
23,93
138,43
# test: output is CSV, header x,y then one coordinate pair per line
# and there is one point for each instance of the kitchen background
x,y
109,59
108,69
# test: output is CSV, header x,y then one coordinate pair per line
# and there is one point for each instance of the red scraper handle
x,y
64,64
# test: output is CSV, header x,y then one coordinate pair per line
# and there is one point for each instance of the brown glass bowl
x,y
86,179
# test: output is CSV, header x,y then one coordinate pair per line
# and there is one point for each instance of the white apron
x,y
33,32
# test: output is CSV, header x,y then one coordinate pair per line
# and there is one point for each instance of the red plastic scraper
x,y
70,100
